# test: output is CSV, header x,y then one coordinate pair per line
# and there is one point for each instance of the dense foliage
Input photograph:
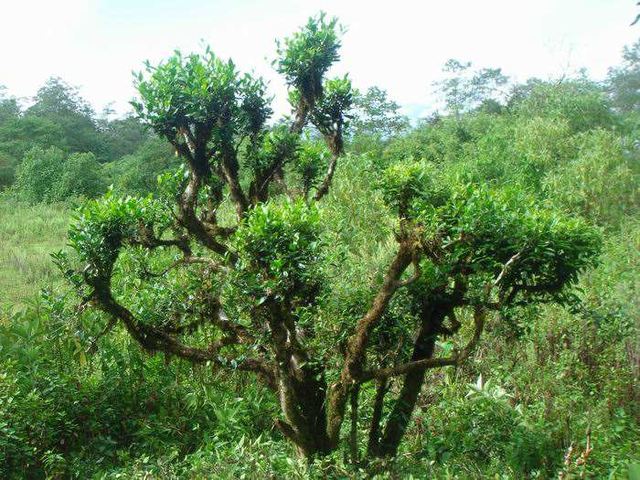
x,y
332,295
50,175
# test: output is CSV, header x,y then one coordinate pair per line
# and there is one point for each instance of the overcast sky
x,y
399,45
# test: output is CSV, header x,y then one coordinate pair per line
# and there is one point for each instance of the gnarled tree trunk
x,y
423,348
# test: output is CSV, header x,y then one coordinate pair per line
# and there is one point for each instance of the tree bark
x,y
423,348
356,349
376,418
353,436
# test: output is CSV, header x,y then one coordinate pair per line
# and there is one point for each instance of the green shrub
x,y
601,183
137,174
580,102
52,176
486,428
8,167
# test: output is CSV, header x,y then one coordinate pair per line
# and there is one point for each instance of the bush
x,y
601,182
580,102
487,428
52,176
8,166
137,174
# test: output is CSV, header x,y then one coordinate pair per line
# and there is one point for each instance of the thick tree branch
x,y
336,146
417,273
230,169
275,171
302,114
189,139
296,426
189,219
355,354
376,418
260,185
323,189
359,341
505,269
479,316
153,339
353,434
147,238
183,150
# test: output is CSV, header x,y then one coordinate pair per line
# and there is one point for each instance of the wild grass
x,y
28,235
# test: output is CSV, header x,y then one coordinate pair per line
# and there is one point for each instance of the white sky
x,y
399,45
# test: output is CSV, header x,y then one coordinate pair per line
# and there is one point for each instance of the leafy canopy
x,y
203,93
475,231
308,54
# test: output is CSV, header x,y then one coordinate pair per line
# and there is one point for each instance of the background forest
x,y
550,392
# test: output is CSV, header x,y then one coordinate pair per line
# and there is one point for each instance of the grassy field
x,y
28,235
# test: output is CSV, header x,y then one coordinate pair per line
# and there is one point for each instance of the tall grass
x,y
28,235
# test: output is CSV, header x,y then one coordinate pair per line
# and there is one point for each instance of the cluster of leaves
x,y
202,91
278,142
102,226
486,229
476,230
337,98
280,251
306,56
408,184
312,160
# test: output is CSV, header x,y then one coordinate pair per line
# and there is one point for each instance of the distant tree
x,y
57,98
623,82
62,104
8,166
377,115
9,111
249,290
9,107
35,177
123,136
20,134
81,175
465,89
